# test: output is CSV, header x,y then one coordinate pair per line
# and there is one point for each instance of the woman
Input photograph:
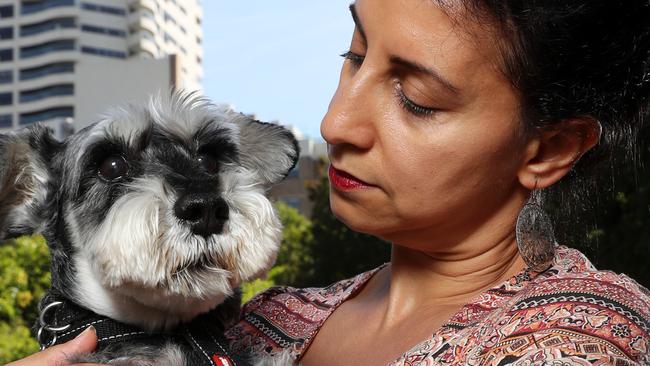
x,y
448,117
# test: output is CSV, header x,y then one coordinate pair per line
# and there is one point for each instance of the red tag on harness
x,y
221,360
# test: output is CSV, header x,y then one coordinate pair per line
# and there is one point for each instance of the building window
x,y
101,30
6,98
6,121
47,47
6,54
103,52
49,69
28,7
170,39
47,92
7,33
6,77
52,24
6,11
103,9
46,114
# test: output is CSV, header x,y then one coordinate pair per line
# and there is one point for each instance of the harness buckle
x,y
52,330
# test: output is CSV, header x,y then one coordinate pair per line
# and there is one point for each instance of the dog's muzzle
x,y
205,213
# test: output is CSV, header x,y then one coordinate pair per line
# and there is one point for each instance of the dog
x,y
153,216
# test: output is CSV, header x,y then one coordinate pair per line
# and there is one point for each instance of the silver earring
x,y
534,233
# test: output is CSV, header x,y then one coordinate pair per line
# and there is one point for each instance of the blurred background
x,y
63,62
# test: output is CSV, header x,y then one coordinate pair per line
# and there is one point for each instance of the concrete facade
x,y
63,62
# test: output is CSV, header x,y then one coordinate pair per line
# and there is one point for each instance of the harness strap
x,y
62,320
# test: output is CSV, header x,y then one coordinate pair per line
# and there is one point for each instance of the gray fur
x,y
119,247
135,355
23,181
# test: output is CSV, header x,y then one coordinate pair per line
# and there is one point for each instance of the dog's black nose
x,y
206,213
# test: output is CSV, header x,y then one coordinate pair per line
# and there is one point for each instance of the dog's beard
x,y
142,252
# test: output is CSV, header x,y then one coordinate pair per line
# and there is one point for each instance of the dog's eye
x,y
113,167
208,163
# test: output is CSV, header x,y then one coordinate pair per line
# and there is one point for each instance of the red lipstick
x,y
344,181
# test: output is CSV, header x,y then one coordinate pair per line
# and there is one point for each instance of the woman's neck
x,y
416,281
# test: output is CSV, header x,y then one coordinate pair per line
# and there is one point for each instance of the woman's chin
x,y
361,219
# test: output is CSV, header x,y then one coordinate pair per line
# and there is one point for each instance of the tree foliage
x,y
24,277
294,257
337,251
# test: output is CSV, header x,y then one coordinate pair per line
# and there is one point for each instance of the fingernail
x,y
86,331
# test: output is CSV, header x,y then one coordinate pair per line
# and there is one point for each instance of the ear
x,y
554,150
24,177
267,149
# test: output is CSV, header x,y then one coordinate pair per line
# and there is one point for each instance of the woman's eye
x,y
113,168
208,163
355,58
410,106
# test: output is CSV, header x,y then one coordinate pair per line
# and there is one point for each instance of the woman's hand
x,y
58,355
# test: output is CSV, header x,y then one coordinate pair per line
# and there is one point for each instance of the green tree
x,y
294,257
24,277
338,252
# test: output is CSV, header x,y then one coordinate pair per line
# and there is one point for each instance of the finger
x,y
58,355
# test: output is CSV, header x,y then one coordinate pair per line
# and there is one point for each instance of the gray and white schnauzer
x,y
153,216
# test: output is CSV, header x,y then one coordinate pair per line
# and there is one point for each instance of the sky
x,y
277,59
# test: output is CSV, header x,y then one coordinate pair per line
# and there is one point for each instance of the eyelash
x,y
411,106
356,59
404,101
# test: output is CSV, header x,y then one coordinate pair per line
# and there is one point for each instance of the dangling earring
x,y
534,233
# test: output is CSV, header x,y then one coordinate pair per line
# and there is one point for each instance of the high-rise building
x,y
63,62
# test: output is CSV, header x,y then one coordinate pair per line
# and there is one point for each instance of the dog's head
x,y
155,213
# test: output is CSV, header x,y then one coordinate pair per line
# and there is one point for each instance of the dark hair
x,y
571,59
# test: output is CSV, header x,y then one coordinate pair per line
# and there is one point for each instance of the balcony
x,y
144,4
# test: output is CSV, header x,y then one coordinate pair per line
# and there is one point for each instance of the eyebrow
x,y
425,70
357,22
417,67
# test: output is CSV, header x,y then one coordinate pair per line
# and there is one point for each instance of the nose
x,y
205,213
349,118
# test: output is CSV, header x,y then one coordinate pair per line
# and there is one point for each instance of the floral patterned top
x,y
570,314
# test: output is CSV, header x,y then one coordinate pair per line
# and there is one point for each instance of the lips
x,y
344,181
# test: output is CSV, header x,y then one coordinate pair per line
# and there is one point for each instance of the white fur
x,y
181,114
284,358
139,253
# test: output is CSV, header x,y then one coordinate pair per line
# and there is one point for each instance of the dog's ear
x,y
268,149
24,177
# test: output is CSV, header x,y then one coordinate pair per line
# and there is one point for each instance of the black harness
x,y
61,320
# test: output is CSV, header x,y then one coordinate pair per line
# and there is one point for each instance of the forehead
x,y
446,38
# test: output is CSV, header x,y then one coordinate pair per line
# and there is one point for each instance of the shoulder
x,y
282,318
575,311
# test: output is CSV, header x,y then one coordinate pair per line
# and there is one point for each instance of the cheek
x,y
451,169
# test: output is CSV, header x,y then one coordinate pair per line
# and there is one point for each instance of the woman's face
x,y
424,137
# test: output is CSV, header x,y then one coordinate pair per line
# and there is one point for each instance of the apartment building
x,y
311,167
63,62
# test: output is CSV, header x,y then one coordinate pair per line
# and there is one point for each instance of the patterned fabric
x,y
570,314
